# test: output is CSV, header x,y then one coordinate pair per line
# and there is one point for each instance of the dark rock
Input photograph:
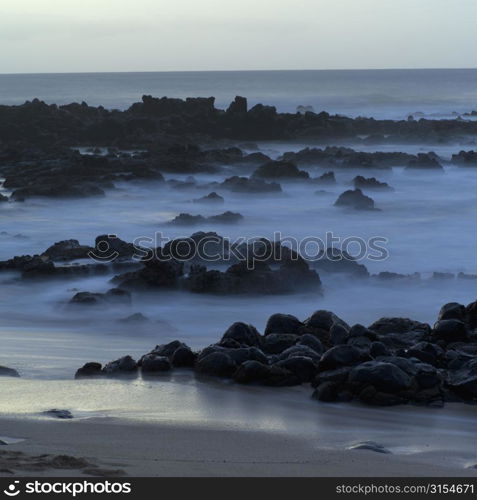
x,y
242,333
300,351
355,199
217,364
8,372
252,185
302,367
326,392
283,323
361,182
324,320
280,170
256,372
226,218
312,342
450,330
184,219
464,380
61,414
426,352
67,250
471,314
424,161
384,326
156,273
89,370
212,197
340,355
338,334
124,365
275,343
452,310
378,349
384,377
134,318
328,178
114,295
154,363
183,357
110,247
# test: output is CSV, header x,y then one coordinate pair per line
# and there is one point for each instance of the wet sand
x,y
184,426
117,447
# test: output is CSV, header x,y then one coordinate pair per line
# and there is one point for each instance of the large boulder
x,y
260,373
452,310
384,326
280,170
91,369
8,372
450,330
355,199
218,364
340,355
243,334
275,343
283,323
152,363
67,250
122,366
464,380
384,377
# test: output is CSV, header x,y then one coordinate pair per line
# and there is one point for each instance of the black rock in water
x,y
8,372
212,197
280,170
355,199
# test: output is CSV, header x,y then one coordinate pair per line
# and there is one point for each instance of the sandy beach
x,y
184,426
117,447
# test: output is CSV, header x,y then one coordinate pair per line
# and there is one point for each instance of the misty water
x,y
428,222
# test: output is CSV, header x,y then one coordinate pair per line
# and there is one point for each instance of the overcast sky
x,y
163,35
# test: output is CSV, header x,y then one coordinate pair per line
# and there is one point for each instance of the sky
x,y
39,36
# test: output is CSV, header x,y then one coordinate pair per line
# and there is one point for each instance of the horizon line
x,y
231,71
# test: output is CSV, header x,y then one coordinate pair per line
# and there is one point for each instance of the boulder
x,y
283,323
153,363
450,330
355,199
91,369
67,250
385,326
243,334
8,372
361,182
452,310
303,367
218,364
382,376
275,343
312,342
122,366
280,170
340,355
212,197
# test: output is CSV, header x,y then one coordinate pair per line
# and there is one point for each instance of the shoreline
x,y
145,449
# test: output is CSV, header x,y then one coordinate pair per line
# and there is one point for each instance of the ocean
x,y
427,220
394,94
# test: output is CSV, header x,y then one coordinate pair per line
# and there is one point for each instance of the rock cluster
x,y
392,361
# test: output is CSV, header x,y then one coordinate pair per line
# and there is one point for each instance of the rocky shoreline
x,y
392,361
